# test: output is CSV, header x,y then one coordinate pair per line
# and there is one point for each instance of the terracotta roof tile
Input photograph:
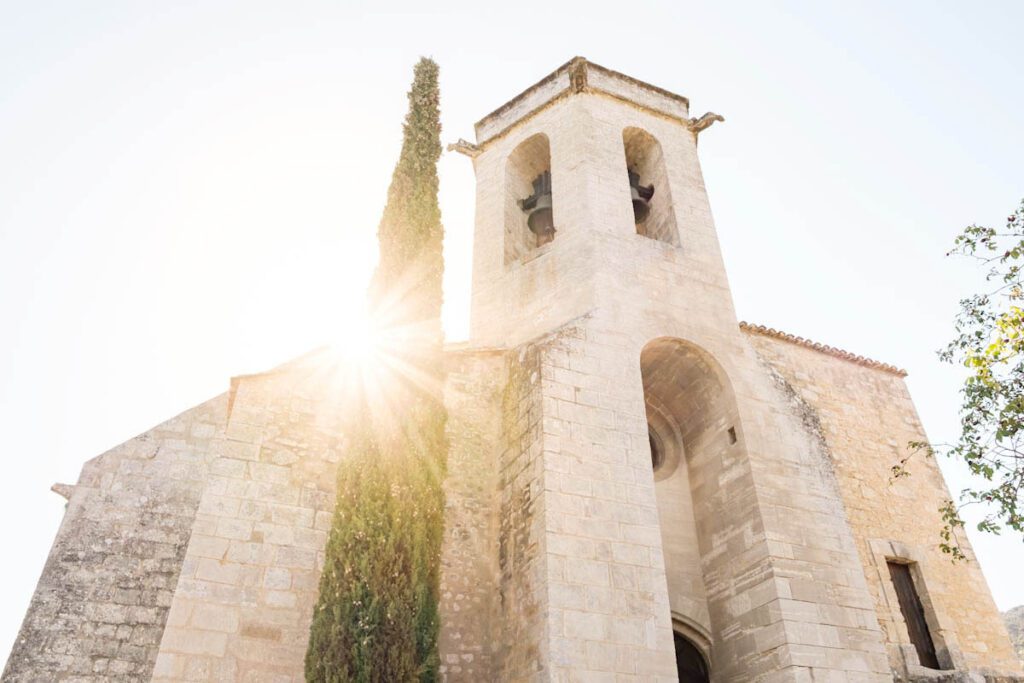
x,y
823,348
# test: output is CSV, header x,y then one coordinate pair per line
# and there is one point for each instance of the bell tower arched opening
x,y
653,213
529,206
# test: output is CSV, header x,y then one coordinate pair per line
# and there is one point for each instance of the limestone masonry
x,y
640,488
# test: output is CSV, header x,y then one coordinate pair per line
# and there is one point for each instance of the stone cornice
x,y
579,75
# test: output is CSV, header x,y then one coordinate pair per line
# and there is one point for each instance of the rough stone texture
x,y
521,558
620,291
785,596
609,609
244,598
100,607
567,557
866,419
471,626
1014,620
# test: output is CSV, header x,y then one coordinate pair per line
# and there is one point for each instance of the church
x,y
640,486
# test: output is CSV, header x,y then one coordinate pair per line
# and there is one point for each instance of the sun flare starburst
x,y
384,351
358,342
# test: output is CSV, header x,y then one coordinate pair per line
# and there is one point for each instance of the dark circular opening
x,y
657,453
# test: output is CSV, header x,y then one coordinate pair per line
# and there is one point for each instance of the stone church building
x,y
641,487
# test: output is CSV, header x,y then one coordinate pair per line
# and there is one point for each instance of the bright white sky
x,y
190,190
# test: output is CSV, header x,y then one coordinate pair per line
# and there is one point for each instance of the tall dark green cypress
x,y
377,614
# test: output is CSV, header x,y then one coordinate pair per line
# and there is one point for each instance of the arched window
x,y
529,209
653,212
690,663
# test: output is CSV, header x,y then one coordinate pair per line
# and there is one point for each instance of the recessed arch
x,y
653,212
694,632
528,192
688,397
691,411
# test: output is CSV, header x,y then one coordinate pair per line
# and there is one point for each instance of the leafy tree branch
x,y
989,343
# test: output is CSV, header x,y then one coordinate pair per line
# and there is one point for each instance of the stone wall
x,y
213,525
866,419
609,616
680,544
471,623
827,625
244,599
99,610
524,648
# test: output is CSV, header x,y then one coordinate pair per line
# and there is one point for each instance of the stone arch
x,y
691,663
526,165
697,634
692,415
686,390
645,165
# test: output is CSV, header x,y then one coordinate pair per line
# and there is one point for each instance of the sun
x,y
357,342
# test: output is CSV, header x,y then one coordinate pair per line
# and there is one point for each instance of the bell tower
x,y
583,165
645,534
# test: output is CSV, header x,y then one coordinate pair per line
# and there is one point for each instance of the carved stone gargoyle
x,y
464,147
697,125
63,490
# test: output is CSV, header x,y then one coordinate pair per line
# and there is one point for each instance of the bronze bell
x,y
538,209
641,197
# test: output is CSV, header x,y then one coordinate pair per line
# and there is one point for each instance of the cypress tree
x,y
376,618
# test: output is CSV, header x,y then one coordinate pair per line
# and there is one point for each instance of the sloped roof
x,y
823,348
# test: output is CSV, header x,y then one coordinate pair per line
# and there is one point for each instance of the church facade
x,y
641,487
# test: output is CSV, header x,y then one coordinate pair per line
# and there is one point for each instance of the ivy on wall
x,y
376,618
